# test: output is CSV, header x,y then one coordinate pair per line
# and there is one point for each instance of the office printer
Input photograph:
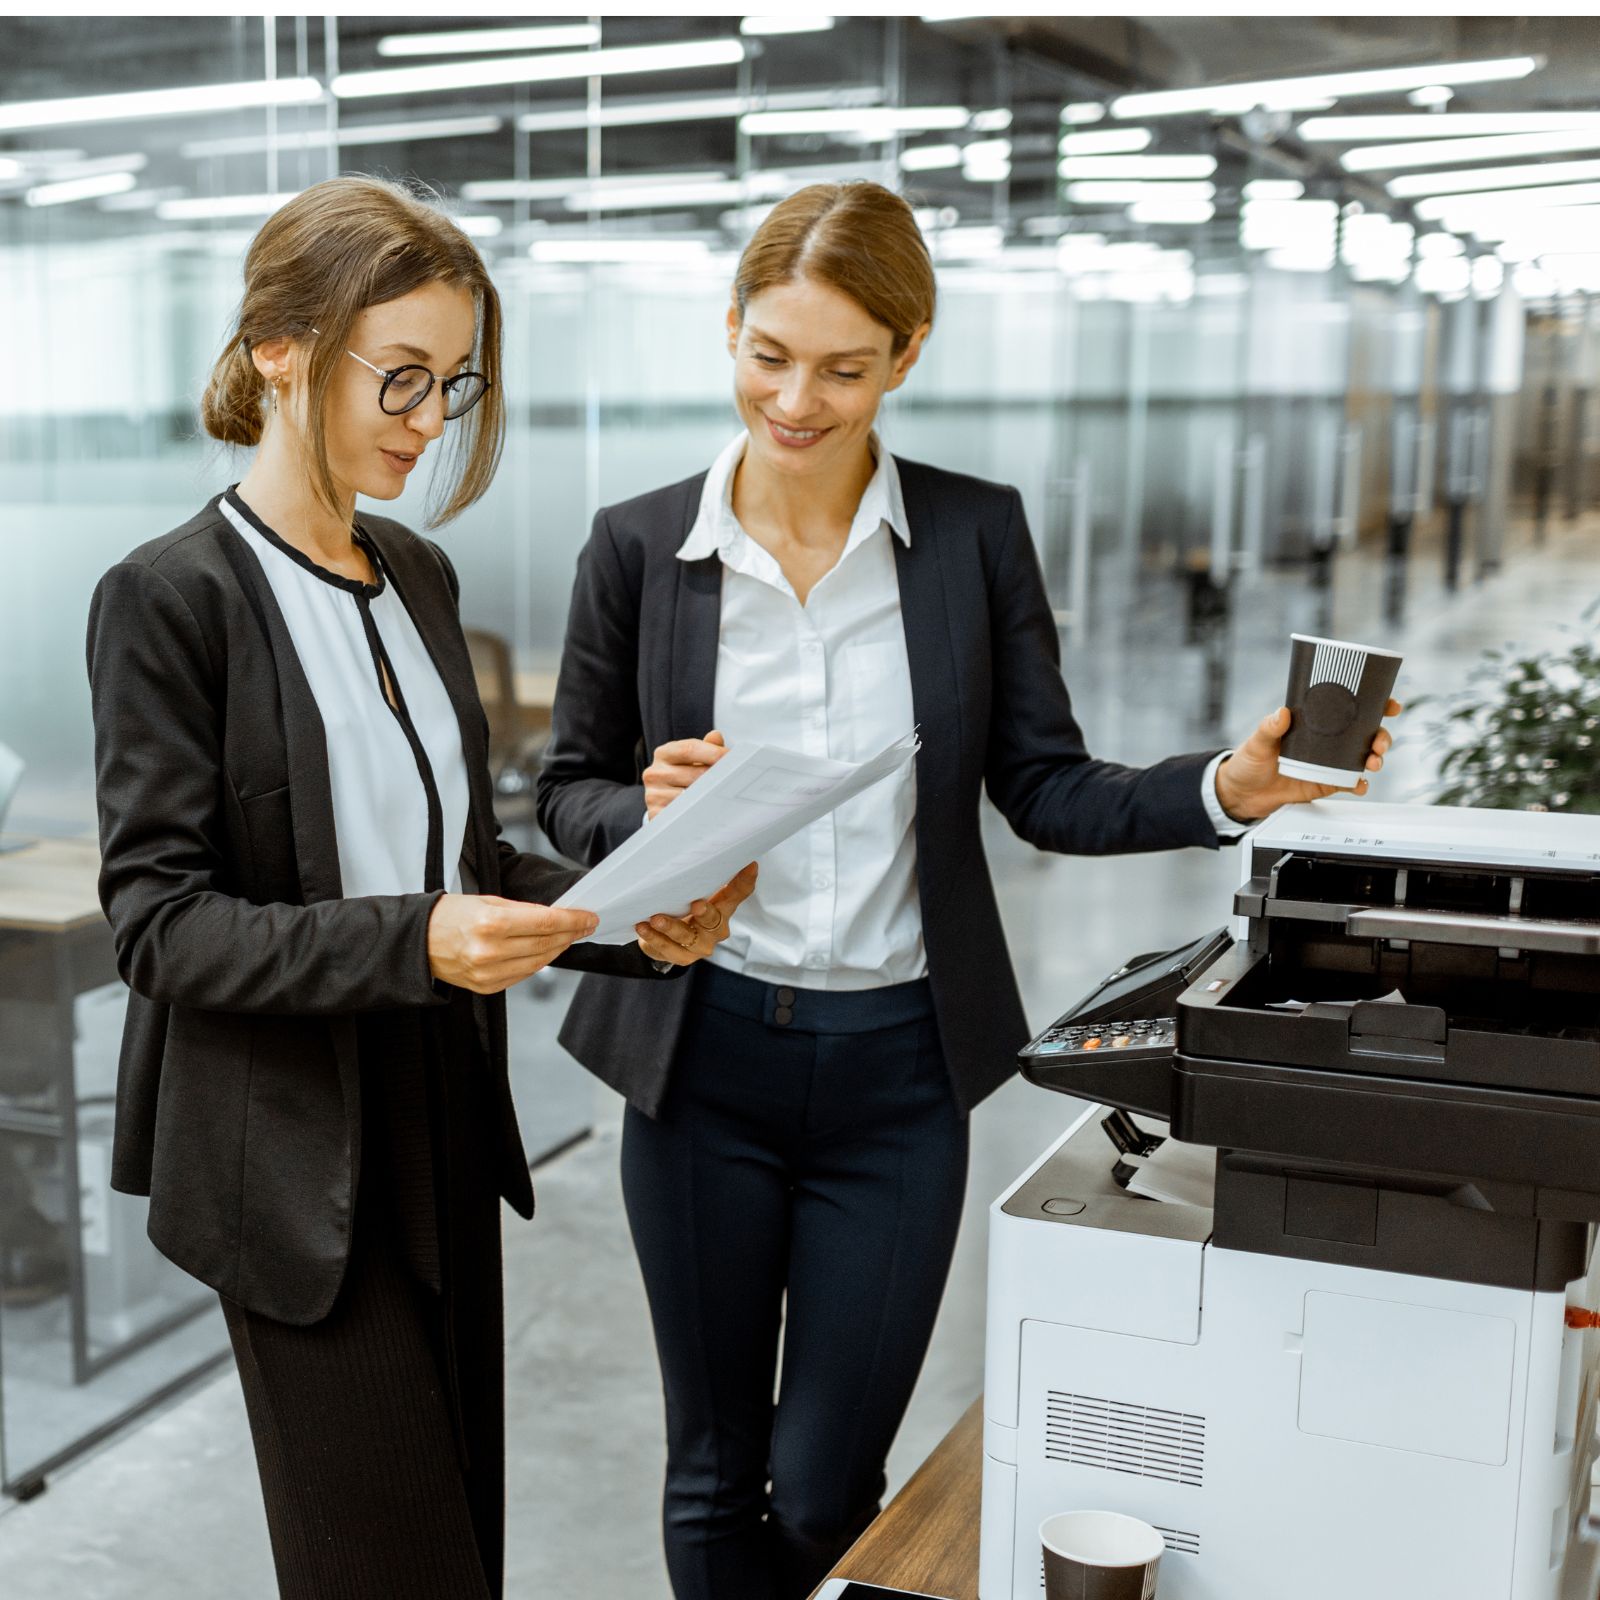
x,y
1365,1367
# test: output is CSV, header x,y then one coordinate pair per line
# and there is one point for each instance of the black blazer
x,y
639,668
238,1107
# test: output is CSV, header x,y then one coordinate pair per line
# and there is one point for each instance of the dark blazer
x,y
639,669
238,1107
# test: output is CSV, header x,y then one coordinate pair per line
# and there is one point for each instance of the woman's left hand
x,y
685,940
1250,786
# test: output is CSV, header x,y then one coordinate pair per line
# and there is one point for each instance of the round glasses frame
x,y
461,390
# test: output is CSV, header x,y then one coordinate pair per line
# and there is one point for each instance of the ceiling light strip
x,y
193,101
605,62
1234,98
573,36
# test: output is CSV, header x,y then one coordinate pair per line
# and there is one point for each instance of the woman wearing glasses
x,y
315,912
795,1146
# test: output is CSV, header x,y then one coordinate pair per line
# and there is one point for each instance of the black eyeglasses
x,y
405,388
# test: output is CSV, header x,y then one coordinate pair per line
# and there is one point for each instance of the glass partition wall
x,y
1178,349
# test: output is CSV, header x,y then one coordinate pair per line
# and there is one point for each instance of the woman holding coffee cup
x,y
795,1145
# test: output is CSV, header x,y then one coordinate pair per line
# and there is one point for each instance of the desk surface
x,y
51,886
927,1537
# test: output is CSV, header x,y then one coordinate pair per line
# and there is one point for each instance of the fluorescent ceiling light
x,y
226,205
930,157
1300,258
1425,185
21,114
1106,142
698,108
648,197
789,22
91,188
603,251
1440,244
140,199
1233,98
1498,147
1127,191
1137,166
485,227
10,168
967,244
1499,202
1273,189
574,36
1081,112
560,188
539,69
358,133
1565,222
1431,125
1171,211
991,121
881,122
1436,94
60,172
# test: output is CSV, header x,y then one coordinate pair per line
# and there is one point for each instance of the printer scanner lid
x,y
1468,836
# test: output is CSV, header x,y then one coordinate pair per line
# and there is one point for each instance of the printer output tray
x,y
1508,1095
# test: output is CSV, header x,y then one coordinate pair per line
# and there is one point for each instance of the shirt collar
x,y
716,530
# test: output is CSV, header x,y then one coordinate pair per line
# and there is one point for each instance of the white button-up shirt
x,y
836,905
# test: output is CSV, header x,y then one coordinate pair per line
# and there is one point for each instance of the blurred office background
x,y
1276,322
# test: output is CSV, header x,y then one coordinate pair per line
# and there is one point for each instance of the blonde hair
x,y
859,238
318,262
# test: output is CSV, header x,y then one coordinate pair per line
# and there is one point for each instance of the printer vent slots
x,y
1175,1539
1120,1436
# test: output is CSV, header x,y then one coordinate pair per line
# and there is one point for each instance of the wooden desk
x,y
927,1537
51,886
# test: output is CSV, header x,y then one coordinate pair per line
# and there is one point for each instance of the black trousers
x,y
810,1149
379,1431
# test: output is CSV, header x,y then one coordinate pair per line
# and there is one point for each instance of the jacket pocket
x,y
273,875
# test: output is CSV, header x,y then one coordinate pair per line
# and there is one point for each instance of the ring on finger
x,y
710,927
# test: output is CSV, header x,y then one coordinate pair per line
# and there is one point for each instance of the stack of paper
x,y
755,797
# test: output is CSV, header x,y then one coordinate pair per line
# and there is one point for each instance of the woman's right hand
x,y
676,765
485,943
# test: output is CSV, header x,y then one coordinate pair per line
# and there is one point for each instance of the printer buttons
x,y
1062,1208
1093,1044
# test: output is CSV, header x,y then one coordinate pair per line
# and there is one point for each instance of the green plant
x,y
1524,735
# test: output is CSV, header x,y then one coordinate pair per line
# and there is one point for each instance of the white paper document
x,y
755,797
1179,1174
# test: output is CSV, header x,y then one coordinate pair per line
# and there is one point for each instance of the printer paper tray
x,y
1547,1142
1554,1049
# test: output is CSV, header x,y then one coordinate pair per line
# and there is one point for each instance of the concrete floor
x,y
172,1507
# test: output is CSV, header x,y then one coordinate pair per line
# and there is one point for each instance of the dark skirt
x,y
379,1431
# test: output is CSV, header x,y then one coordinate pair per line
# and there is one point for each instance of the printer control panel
x,y
1144,1040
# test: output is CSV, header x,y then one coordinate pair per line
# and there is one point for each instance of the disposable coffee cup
x,y
1336,699
1099,1555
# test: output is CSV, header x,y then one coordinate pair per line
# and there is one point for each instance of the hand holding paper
x,y
755,797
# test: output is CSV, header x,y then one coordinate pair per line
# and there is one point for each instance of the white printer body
x,y
1352,1374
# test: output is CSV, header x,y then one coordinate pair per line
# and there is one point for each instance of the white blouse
x,y
836,906
397,773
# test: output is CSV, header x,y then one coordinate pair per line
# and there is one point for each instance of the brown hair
x,y
318,262
857,237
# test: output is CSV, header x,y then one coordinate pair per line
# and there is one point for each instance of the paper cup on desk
x,y
1337,694
1099,1555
